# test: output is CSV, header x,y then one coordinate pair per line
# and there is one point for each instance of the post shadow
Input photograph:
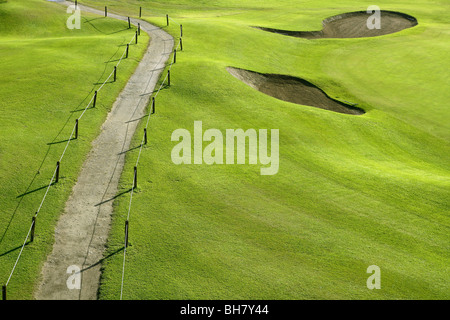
x,y
113,198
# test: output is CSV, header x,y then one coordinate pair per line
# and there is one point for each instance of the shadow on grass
x,y
99,83
14,249
92,25
57,142
32,191
116,60
115,197
118,31
78,110
103,259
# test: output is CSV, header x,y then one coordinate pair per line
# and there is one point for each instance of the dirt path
x,y
83,228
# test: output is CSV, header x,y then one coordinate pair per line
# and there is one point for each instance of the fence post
x,y
95,99
135,177
181,44
76,129
57,171
140,12
126,55
153,105
139,29
126,234
145,135
181,30
115,73
129,23
167,19
33,226
76,4
4,292
136,36
174,56
106,11
168,76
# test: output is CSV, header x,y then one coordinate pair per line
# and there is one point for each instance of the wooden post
x,y
4,292
168,76
115,73
136,36
106,11
140,12
57,172
153,105
126,55
126,234
129,23
174,56
181,30
181,44
139,29
145,135
167,19
135,177
95,99
76,129
33,226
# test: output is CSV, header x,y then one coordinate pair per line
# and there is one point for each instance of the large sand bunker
x,y
354,25
292,89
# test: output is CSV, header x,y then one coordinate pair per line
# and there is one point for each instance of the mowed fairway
x,y
351,191
48,75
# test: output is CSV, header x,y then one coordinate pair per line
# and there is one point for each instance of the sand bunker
x,y
354,25
292,89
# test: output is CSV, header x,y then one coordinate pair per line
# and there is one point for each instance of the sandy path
x,y
83,228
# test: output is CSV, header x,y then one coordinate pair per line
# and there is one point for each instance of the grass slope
x,y
48,76
351,191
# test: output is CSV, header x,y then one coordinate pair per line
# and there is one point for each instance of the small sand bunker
x,y
354,25
293,90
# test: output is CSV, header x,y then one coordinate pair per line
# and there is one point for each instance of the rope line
x,y
20,253
46,192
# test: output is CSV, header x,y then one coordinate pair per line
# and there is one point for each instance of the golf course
x,y
361,161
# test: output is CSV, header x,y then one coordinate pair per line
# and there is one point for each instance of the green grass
x,y
48,76
352,191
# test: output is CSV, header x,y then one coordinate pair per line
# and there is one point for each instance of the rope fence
x,y
74,135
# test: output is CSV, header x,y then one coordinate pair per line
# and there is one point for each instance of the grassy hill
x,y
48,76
351,191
